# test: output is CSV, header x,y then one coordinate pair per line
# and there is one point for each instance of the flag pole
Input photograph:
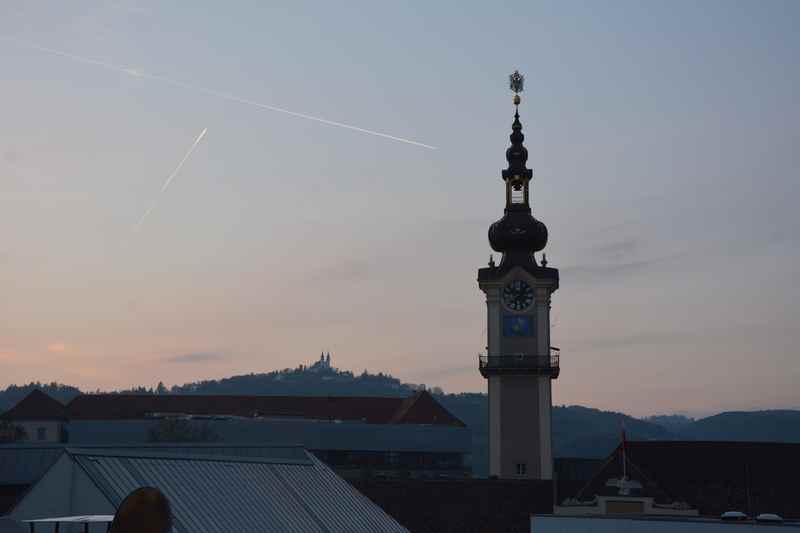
x,y
624,461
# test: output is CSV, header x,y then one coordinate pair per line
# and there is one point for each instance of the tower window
x,y
517,196
522,469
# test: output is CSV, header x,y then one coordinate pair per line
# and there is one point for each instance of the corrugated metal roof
x,y
223,494
241,452
24,464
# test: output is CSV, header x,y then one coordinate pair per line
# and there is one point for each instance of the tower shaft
x,y
519,363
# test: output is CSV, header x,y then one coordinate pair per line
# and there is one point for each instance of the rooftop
x,y
713,477
36,406
239,494
420,408
287,489
23,465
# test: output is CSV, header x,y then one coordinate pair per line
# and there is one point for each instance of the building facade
x,y
412,437
35,418
654,524
519,363
692,477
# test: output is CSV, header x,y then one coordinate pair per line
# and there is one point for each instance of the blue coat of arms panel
x,y
517,326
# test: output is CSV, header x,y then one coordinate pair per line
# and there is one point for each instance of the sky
x,y
663,137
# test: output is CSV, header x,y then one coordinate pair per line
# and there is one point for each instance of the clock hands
x,y
518,295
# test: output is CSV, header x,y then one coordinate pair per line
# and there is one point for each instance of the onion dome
x,y
518,230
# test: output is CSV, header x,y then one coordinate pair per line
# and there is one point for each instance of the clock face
x,y
518,295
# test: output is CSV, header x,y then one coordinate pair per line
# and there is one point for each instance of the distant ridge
x,y
779,425
577,431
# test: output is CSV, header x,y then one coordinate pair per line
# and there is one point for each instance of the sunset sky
x,y
663,136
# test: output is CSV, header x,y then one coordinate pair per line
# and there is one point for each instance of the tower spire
x,y
517,154
518,235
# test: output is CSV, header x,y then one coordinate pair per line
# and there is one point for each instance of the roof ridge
x,y
649,482
193,395
35,405
111,451
368,409
405,406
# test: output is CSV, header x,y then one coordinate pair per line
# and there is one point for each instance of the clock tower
x,y
519,363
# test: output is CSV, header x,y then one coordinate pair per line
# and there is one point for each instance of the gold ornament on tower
x,y
516,82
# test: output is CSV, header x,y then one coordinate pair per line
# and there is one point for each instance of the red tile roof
x,y
37,405
421,408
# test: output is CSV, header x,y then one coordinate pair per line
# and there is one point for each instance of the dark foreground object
x,y
145,510
464,506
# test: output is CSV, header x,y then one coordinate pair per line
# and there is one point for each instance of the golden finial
x,y
516,83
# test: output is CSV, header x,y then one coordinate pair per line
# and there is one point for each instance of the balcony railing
x,y
547,365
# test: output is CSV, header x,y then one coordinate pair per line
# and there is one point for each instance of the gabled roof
x,y
607,480
223,494
420,408
714,477
37,405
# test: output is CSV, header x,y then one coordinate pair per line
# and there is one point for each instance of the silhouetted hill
x,y
586,432
768,426
577,431
316,380
674,423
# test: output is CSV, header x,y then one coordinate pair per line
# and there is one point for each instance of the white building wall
x,y
545,432
569,524
51,430
494,425
494,321
65,490
50,496
648,505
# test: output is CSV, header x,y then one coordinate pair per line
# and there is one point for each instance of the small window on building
x,y
41,433
522,469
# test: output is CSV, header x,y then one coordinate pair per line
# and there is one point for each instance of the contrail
x,y
145,215
170,178
140,74
178,168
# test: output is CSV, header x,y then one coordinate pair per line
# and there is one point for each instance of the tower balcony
x,y
540,365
